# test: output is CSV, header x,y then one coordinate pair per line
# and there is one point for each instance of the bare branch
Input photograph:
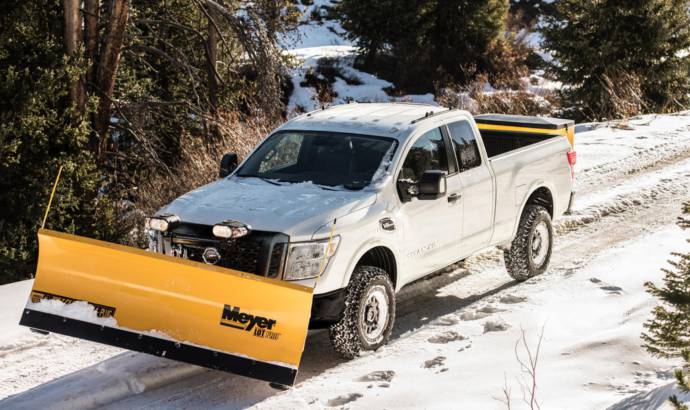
x,y
529,368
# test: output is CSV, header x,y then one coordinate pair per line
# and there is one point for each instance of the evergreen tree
x,y
606,51
668,332
463,35
529,11
421,43
38,133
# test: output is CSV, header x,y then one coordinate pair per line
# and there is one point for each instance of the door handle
x,y
453,197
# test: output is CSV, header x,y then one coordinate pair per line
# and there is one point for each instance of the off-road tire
x,y
347,335
518,258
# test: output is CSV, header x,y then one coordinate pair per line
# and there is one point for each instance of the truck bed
x,y
521,149
504,133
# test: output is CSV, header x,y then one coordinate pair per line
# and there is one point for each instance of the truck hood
x,y
297,210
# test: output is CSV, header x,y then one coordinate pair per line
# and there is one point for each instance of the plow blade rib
x,y
169,307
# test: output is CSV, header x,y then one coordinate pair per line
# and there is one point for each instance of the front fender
x,y
362,250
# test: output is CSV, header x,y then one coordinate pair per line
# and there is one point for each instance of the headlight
x,y
309,259
162,222
231,229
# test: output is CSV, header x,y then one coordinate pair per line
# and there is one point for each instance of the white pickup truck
x,y
359,200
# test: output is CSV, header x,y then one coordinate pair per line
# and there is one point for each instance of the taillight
x,y
572,159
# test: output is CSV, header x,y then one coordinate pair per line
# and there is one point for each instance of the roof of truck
x,y
391,119
386,119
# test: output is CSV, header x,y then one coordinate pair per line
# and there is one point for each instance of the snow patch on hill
x,y
320,39
350,84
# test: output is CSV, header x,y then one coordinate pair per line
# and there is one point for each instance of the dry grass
x,y
623,95
199,164
476,100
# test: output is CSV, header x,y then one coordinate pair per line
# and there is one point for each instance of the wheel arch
x,y
375,254
541,193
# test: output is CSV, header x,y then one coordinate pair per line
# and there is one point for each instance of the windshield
x,y
323,158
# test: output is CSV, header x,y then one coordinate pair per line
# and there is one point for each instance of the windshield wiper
x,y
326,187
270,181
354,187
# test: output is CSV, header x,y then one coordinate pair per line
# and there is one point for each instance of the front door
x,y
432,228
477,188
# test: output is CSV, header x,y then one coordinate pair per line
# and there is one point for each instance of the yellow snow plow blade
x,y
174,308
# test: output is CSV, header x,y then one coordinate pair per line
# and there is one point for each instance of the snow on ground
x,y
320,38
590,356
455,335
365,87
323,39
603,145
29,359
315,29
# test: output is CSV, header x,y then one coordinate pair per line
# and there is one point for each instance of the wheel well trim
x,y
534,188
363,250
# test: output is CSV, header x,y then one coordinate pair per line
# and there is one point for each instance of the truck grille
x,y
260,252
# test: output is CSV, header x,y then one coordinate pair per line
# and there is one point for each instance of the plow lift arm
x,y
169,307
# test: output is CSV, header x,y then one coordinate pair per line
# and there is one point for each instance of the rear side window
x,y
465,145
427,153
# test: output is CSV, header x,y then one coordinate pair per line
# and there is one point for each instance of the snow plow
x,y
169,307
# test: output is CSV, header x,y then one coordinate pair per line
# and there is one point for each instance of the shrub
x,y
668,332
475,99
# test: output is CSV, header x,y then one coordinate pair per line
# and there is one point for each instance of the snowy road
x,y
455,334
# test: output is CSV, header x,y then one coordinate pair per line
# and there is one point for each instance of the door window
x,y
465,145
427,153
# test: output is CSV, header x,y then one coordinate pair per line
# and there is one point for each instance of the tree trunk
x,y
91,11
211,60
107,70
73,39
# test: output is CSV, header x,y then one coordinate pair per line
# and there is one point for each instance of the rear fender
x,y
523,202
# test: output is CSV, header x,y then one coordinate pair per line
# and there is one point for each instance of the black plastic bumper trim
x,y
327,308
178,351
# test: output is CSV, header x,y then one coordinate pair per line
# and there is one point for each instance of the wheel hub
x,y
540,243
372,314
375,314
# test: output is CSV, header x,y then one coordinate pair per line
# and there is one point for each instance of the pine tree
x,y
668,332
606,50
420,43
529,11
463,36
39,132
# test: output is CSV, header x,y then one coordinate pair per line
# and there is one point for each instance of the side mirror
x,y
432,185
227,164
